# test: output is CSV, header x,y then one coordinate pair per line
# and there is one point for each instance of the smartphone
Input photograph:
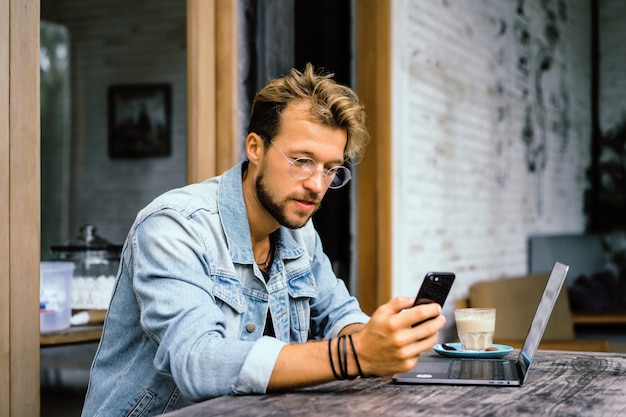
x,y
435,288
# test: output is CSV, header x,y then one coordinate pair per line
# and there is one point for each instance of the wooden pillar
x,y
19,208
375,186
211,87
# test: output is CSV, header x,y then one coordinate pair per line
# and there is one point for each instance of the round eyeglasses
x,y
303,168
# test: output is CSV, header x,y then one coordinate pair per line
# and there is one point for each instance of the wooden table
x,y
560,384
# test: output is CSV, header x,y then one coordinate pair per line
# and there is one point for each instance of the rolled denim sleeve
x,y
258,367
346,320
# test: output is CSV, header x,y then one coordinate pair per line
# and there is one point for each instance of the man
x,y
223,286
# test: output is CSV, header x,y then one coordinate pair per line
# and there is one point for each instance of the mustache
x,y
309,196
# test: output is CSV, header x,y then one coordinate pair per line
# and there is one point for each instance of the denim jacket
x,y
187,315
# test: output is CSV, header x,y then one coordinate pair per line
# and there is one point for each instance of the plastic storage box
x,y
55,290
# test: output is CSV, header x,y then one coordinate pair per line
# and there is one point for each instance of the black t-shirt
x,y
269,325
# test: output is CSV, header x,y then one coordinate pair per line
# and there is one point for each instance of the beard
x,y
277,209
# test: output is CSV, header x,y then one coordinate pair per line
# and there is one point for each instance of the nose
x,y
316,182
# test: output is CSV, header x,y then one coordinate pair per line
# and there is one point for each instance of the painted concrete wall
x,y
491,134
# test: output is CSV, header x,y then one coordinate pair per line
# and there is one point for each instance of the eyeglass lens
x,y
303,168
336,177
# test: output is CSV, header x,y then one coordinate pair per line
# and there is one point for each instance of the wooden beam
x,y
374,190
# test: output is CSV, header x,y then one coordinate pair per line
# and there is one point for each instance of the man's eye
x,y
304,163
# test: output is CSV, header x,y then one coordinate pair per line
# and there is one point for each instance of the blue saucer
x,y
460,353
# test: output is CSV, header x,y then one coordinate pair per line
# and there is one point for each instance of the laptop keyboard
x,y
480,369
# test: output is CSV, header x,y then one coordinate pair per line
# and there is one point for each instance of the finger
x,y
421,313
409,354
429,327
425,329
396,305
423,345
410,335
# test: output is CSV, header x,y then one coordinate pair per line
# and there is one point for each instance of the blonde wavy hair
x,y
331,104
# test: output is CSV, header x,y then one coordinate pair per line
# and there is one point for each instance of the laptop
x,y
482,371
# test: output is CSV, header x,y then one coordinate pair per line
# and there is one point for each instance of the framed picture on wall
x,y
139,120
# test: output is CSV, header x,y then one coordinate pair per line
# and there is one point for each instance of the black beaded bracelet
x,y
356,357
344,370
339,358
330,356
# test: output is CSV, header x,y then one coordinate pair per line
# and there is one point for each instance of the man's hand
x,y
389,343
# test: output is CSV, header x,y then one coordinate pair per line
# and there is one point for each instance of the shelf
x,y
75,334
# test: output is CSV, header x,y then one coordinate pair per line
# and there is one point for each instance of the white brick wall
x,y
121,42
469,183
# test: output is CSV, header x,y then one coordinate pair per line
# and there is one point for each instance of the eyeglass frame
x,y
325,172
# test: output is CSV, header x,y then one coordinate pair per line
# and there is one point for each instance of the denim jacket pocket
x,y
301,289
228,290
302,286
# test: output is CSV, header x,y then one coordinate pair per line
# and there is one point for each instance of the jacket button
x,y
250,327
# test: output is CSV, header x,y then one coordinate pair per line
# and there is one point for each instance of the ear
x,y
255,147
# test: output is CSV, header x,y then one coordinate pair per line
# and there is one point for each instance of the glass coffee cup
x,y
475,327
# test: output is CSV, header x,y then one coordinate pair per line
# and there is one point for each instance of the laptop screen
x,y
542,315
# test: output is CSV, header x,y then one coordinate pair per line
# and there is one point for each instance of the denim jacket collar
x,y
234,215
